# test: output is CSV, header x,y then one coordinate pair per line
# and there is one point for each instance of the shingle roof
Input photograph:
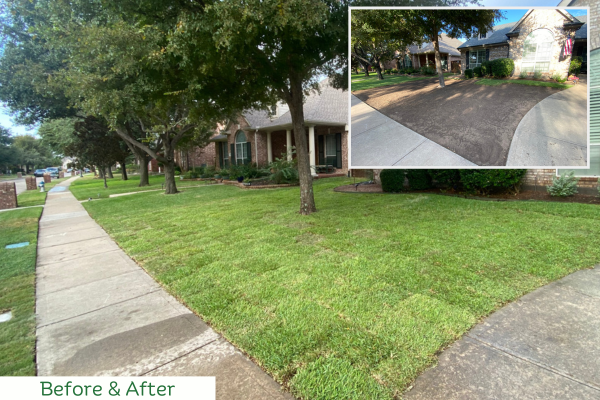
x,y
582,32
498,36
257,118
447,45
330,106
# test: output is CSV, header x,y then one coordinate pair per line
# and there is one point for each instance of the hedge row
x,y
481,181
498,68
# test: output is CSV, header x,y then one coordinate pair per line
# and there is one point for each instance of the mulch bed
x,y
522,196
475,121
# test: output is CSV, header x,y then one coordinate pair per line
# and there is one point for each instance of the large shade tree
x,y
278,51
430,24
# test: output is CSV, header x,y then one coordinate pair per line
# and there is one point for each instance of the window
x,y
223,154
537,51
476,58
241,149
594,75
483,35
330,150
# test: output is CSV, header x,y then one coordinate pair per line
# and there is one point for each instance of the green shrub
x,y
575,67
283,171
445,177
485,181
427,71
418,179
523,75
537,75
477,72
468,73
502,67
394,71
559,78
177,170
486,68
392,180
564,185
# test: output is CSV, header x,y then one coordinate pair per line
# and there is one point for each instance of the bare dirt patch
x,y
475,121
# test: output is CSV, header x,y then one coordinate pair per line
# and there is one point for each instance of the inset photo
x,y
469,88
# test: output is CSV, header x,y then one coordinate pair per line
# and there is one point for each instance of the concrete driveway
x,y
554,132
476,122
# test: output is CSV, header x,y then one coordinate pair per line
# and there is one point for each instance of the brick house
x,y
424,55
260,136
536,43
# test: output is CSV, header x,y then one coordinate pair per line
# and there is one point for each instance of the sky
x,y
520,3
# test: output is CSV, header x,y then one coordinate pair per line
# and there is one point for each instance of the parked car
x,y
52,171
39,172
86,170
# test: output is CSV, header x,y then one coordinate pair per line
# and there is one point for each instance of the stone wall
x,y
498,52
538,179
30,182
8,195
543,19
197,156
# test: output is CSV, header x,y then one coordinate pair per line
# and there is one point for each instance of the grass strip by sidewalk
x,y
498,82
17,291
84,188
30,198
361,82
357,299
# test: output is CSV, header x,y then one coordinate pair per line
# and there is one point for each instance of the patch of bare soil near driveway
x,y
475,121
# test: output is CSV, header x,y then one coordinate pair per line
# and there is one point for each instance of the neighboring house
x,y
259,136
424,55
535,43
65,162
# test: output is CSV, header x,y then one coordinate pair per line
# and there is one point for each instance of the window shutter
x,y
232,154
338,150
467,58
487,54
321,141
221,148
248,159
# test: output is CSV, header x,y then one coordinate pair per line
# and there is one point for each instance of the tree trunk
x,y
104,175
100,173
377,67
438,58
295,102
142,158
110,174
169,163
124,170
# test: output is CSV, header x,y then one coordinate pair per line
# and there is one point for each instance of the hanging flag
x,y
568,47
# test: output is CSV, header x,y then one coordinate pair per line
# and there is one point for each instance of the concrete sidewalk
x,y
379,141
99,313
546,345
554,132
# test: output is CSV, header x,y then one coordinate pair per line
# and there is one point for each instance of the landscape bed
x,y
355,300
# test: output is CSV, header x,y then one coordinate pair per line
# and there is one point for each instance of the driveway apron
x,y
474,121
99,313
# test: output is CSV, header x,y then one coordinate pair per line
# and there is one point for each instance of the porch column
x,y
269,149
449,64
288,144
311,147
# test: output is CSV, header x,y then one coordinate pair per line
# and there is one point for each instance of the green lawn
x,y
497,82
35,197
17,291
361,82
354,301
84,188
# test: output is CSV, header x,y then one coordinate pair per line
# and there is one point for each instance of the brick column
x,y
61,174
19,175
47,178
30,182
8,195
